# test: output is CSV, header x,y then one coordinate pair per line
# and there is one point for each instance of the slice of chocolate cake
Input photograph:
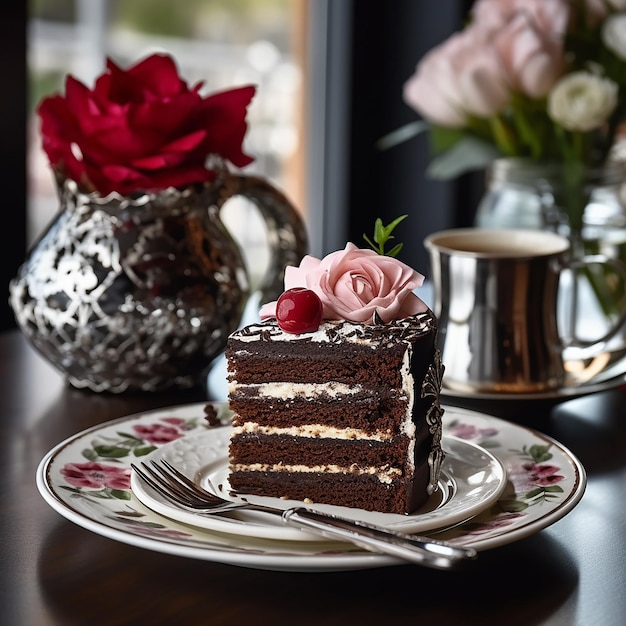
x,y
346,415
336,394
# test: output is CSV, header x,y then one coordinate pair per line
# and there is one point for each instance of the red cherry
x,y
299,310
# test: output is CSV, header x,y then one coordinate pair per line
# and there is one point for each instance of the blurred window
x,y
224,43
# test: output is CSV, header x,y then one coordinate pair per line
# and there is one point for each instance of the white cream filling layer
x,y
383,475
312,430
407,387
286,391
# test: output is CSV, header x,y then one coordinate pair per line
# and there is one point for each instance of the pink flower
x,y
157,433
469,431
353,284
528,36
543,475
532,58
96,475
502,520
547,16
460,78
597,10
526,476
510,46
174,421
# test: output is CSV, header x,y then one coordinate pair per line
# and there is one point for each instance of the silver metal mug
x,y
496,294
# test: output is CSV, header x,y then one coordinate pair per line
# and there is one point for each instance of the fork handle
x,y
422,550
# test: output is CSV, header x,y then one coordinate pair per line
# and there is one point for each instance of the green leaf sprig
x,y
382,234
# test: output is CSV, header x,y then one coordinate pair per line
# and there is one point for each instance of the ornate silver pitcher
x,y
142,292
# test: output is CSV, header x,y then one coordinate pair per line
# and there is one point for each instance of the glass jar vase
x,y
588,206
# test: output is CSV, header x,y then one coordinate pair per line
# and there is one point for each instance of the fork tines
x,y
169,484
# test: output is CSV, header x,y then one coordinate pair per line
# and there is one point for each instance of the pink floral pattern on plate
x,y
87,479
105,473
533,476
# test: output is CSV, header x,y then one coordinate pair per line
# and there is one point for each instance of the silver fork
x,y
183,492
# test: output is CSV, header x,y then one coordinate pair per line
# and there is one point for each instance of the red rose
x,y
142,129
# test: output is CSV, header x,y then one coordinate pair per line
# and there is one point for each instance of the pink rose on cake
x,y
355,285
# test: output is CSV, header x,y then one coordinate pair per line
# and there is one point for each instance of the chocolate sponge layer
x,y
364,492
318,363
372,413
356,453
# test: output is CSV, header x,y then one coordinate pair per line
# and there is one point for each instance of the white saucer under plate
x,y
86,479
556,395
472,479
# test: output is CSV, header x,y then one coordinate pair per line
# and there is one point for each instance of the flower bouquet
x,y
540,80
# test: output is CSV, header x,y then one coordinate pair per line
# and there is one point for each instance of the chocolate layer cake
x,y
347,415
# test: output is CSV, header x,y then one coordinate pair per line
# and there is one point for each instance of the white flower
x,y
614,34
582,101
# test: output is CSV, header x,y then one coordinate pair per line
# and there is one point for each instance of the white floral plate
x,y
472,479
86,478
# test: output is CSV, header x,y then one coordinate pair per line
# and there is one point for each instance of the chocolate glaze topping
x,y
335,331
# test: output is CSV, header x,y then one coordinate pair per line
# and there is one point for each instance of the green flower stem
x,y
575,194
572,184
530,127
503,136
605,282
382,234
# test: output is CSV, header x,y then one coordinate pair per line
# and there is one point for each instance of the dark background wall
x,y
13,108
388,40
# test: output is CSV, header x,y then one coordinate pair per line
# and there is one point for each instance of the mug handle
x,y
593,259
286,233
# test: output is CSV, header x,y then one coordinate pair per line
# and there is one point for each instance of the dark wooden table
x,y
54,572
